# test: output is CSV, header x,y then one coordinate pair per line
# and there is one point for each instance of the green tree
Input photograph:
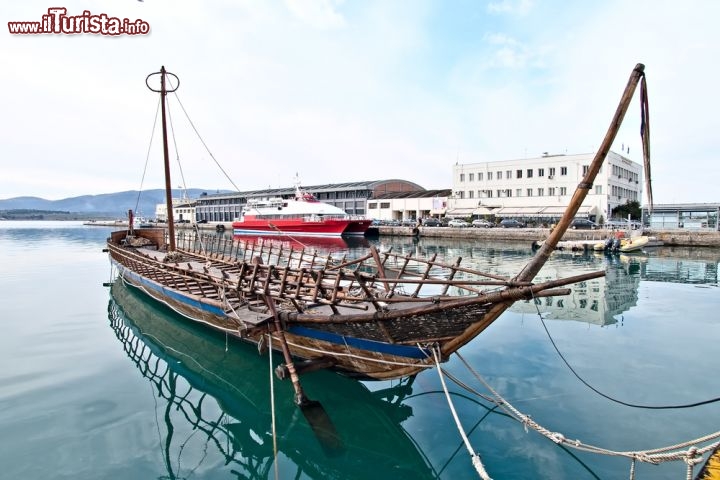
x,y
629,208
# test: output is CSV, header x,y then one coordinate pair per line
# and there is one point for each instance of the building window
x,y
508,174
372,205
471,177
508,192
529,173
471,194
541,192
518,173
551,171
563,170
529,192
461,194
489,193
518,192
586,168
479,192
480,177
598,189
489,175
500,193
384,204
541,172
462,177
563,191
551,191
498,175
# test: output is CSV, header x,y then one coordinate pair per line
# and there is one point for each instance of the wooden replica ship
x,y
379,316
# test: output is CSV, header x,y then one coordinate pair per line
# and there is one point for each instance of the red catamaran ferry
x,y
303,215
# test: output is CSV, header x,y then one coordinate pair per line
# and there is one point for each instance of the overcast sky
x,y
355,90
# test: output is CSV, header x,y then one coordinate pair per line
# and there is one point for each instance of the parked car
x,y
511,223
479,223
456,222
583,223
619,224
432,222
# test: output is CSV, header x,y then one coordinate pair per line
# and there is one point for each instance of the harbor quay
x,y
700,238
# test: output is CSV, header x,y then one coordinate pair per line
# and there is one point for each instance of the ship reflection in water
x,y
217,394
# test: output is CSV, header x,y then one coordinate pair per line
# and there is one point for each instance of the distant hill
x,y
109,205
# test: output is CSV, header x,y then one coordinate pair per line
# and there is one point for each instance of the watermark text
x,y
58,22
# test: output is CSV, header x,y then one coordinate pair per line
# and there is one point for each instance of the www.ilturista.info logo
x,y
57,22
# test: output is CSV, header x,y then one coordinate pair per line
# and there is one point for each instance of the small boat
x,y
378,316
633,244
303,215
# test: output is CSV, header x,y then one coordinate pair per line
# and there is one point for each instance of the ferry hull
x,y
323,228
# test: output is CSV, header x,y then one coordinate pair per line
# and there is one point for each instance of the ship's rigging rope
x,y
203,142
147,156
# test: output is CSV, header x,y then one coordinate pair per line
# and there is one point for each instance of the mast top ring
x,y
163,73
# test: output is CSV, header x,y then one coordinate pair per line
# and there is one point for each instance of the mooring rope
x,y
692,456
476,461
612,399
272,408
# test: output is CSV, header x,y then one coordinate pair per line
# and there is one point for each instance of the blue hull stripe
x,y
363,344
166,292
359,343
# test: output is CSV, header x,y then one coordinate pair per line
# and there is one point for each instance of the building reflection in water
x,y
600,301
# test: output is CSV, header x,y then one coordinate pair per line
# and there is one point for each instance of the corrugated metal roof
x,y
414,194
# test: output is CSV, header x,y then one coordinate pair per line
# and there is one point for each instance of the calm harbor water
x,y
99,383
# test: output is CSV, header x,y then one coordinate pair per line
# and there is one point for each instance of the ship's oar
x,y
314,413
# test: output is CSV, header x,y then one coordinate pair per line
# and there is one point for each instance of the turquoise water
x,y
100,383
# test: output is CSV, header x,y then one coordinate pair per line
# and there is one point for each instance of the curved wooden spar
x,y
541,256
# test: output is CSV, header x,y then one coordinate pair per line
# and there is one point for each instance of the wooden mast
x,y
166,158
541,256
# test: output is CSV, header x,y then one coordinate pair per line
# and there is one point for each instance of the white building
x,y
542,187
183,210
